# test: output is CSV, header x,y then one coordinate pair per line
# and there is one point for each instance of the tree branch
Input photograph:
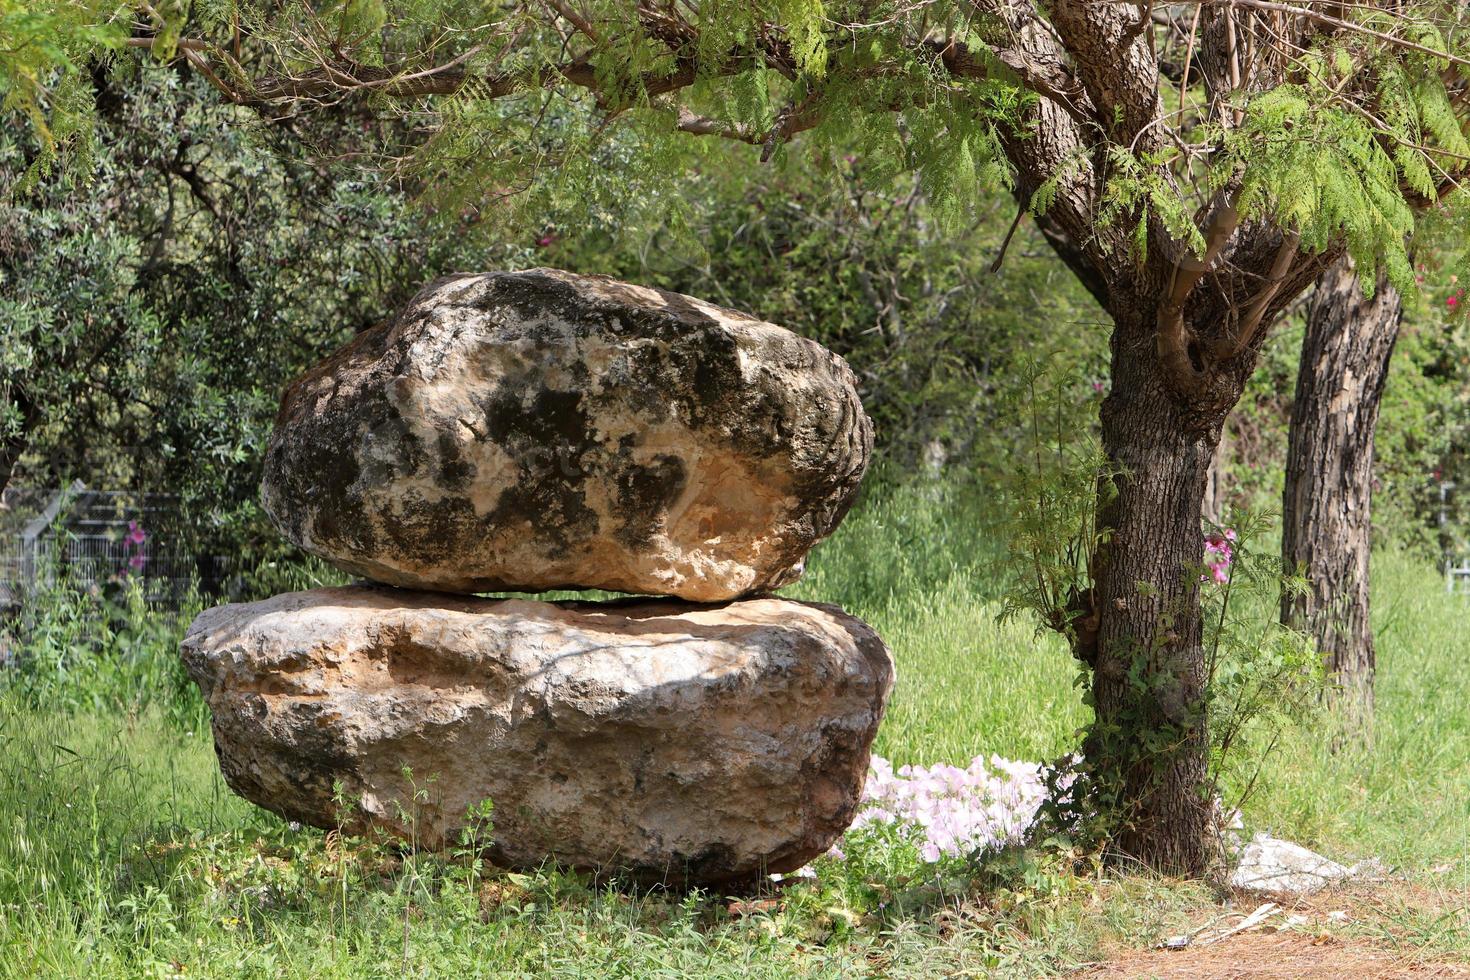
x,y
1043,73
1231,347
575,19
1329,20
1173,336
1050,146
789,124
1115,62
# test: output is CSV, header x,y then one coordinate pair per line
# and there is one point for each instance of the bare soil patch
x,y
1292,955
1369,933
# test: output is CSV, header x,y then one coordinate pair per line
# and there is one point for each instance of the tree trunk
x,y
14,444
1329,475
1148,751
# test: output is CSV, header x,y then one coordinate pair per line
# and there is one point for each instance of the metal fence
x,y
99,540
1456,551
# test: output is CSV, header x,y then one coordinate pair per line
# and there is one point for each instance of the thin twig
x,y
1188,57
1346,25
1006,242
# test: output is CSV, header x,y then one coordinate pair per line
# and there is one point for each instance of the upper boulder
x,y
539,430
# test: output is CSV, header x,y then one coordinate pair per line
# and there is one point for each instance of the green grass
x,y
914,564
1406,797
122,853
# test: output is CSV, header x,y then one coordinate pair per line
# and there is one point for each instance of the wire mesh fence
x,y
1454,545
100,541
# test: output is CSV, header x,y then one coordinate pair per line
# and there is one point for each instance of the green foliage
x,y
156,319
1053,492
1424,427
199,219
1259,679
1327,166
75,648
936,339
1140,187
1262,679
148,324
525,137
1322,170
43,53
1424,420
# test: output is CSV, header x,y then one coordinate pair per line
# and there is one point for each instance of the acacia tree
x,y
1196,165
1327,505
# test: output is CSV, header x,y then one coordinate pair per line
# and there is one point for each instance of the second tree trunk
x,y
1326,515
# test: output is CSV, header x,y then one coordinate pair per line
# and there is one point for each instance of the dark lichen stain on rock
x,y
554,514
455,472
552,423
645,494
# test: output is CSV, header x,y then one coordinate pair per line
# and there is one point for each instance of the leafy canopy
x,y
1333,122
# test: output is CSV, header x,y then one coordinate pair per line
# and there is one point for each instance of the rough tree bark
x,y
1329,475
1149,745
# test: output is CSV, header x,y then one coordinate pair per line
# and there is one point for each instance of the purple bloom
x,y
136,535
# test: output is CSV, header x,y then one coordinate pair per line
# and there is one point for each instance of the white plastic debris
x,y
1271,866
1249,922
1216,930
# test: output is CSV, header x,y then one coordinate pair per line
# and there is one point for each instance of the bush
x,y
78,648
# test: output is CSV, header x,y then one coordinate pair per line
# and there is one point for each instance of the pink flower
x,y
1452,302
136,535
137,562
1219,554
1097,386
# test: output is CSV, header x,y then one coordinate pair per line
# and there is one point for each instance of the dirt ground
x,y
1368,933
1285,955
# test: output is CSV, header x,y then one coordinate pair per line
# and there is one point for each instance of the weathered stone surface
x,y
663,740
540,430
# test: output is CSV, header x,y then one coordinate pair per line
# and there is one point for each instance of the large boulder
x,y
650,738
540,430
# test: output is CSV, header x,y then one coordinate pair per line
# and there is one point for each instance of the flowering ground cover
x,y
954,812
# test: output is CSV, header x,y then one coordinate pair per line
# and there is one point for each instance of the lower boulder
x,y
649,738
